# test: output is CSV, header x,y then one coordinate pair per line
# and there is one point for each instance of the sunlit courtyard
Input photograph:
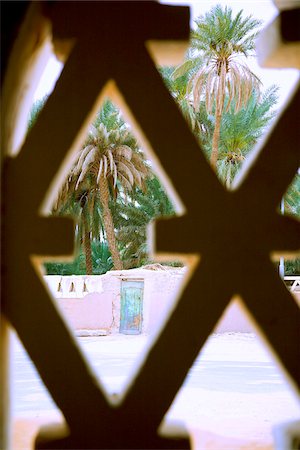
x,y
233,396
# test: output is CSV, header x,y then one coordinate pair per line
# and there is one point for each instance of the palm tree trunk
x,y
109,224
215,141
87,247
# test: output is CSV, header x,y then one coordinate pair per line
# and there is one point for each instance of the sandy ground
x,y
232,399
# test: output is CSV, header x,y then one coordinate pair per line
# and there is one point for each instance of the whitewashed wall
x,y
93,302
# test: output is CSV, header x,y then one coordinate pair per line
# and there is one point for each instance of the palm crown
x,y
111,154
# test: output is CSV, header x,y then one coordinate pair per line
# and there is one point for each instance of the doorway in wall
x,y
131,314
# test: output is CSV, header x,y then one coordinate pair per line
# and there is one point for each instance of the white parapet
x,y
73,286
295,282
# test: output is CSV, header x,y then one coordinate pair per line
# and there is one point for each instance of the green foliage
x,y
120,132
219,32
77,267
292,207
292,198
132,216
35,111
292,267
101,257
240,131
199,121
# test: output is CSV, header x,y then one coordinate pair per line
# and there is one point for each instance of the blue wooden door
x,y
131,307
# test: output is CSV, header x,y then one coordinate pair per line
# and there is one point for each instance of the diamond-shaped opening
x,y
289,265
290,203
46,85
48,79
235,395
289,269
114,296
39,78
231,124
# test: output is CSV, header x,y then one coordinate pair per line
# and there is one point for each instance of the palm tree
x,y
77,205
241,130
109,164
84,206
178,89
177,81
133,216
221,41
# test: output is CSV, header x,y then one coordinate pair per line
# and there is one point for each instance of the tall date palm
x,y
222,42
109,164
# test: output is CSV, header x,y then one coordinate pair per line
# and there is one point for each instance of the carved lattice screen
x,y
110,51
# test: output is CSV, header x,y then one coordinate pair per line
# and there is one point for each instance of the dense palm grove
x,y
112,190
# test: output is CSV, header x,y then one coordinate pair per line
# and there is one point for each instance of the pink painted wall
x,y
92,312
101,310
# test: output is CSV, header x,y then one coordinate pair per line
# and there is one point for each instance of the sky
x,y
263,10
